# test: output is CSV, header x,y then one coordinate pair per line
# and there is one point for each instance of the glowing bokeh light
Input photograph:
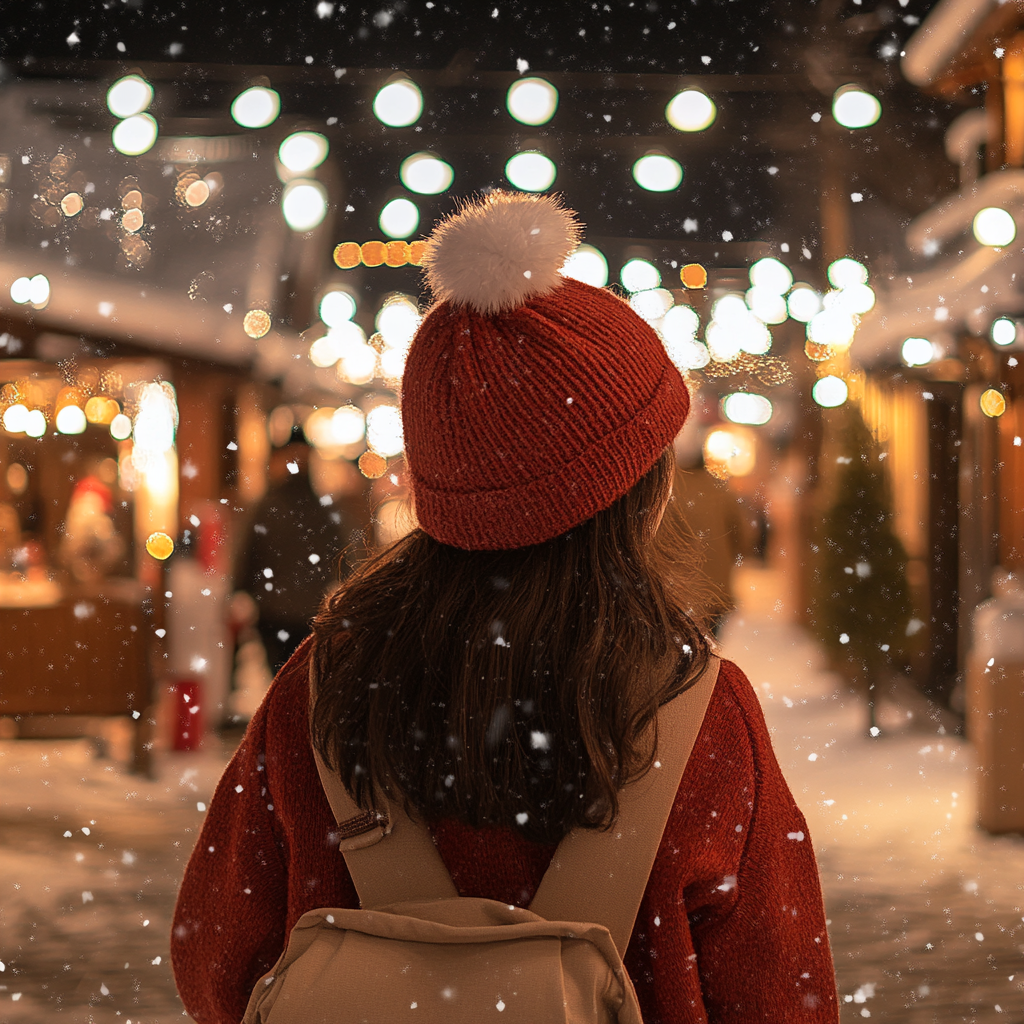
x,y
15,418
71,420
691,111
129,96
1004,331
400,218
392,363
833,327
993,226
397,321
337,307
638,275
21,290
120,427
853,108
753,336
693,275
772,275
304,204
532,101
657,172
680,324
39,291
157,418
35,423
587,264
992,403
767,305
917,351
358,364
256,107
830,392
325,351
301,152
398,104
857,298
135,135
723,341
257,323
732,450
744,407
426,174
846,272
159,545
730,307
651,304
531,171
803,303
687,354
101,410
384,430
372,465
348,425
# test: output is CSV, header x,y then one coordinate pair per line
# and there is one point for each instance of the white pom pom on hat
x,y
498,253
530,401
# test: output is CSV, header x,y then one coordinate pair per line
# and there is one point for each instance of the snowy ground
x,y
925,911
90,859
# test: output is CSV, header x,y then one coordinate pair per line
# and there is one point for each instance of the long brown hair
x,y
514,688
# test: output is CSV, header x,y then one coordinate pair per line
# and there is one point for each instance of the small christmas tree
x,y
862,600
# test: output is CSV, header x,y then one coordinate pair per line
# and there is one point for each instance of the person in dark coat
x,y
294,549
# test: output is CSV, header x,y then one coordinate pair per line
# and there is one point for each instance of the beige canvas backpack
x,y
417,951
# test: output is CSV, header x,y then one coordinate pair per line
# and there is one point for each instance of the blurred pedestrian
x,y
712,515
489,684
293,550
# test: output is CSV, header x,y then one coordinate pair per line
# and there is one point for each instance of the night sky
x,y
700,36
754,176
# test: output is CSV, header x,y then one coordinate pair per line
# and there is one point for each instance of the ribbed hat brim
x,y
551,504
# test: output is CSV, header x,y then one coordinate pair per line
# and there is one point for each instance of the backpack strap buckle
x,y
362,830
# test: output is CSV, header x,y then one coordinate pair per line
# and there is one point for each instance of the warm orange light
x,y
397,254
159,545
132,219
69,396
72,204
374,253
693,275
372,465
992,403
257,323
102,410
347,255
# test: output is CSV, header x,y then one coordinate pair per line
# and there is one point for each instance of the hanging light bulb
x,y
587,264
691,110
256,107
398,104
129,96
532,101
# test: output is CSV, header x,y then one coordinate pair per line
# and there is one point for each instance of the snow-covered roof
x,y
965,289
943,34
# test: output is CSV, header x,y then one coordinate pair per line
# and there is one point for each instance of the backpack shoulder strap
x,y
390,857
601,877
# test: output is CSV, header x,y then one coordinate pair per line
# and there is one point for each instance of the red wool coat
x,y
731,927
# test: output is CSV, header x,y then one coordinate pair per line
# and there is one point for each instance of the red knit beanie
x,y
530,401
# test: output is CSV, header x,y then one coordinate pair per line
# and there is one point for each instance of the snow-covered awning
x,y
943,35
967,290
